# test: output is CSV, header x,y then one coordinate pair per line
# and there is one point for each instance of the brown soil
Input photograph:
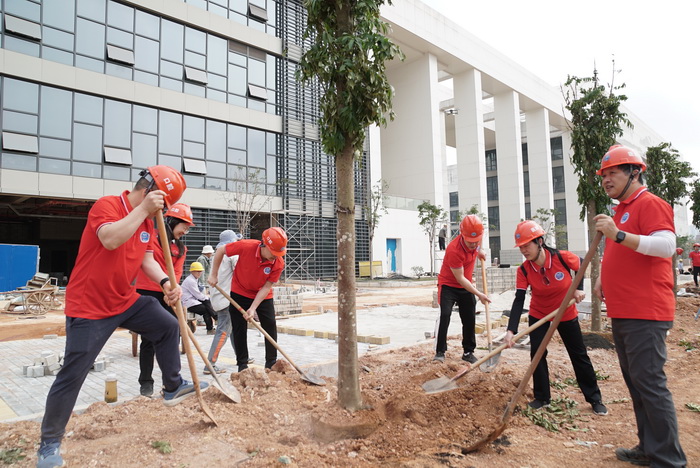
x,y
282,419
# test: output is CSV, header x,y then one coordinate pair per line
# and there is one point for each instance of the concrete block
x,y
362,338
99,366
283,330
321,334
332,335
50,337
25,367
51,359
53,372
53,367
35,371
39,361
47,353
479,329
378,340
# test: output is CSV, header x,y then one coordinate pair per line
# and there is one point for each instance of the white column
x,y
539,155
469,137
510,171
577,230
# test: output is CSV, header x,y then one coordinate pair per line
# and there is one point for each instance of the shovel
x,y
309,378
540,351
181,315
443,384
492,362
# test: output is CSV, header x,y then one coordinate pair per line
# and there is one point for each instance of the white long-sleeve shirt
x,y
191,295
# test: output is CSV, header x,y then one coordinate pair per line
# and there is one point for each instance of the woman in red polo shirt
x,y
546,272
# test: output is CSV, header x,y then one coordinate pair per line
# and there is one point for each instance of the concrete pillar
x,y
415,134
539,154
510,170
577,230
469,137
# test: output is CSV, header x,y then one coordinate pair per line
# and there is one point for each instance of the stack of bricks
x,y
287,300
499,279
50,363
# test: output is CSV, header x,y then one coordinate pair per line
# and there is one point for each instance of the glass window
x,y
93,9
54,148
491,161
216,184
90,38
216,169
120,16
172,42
87,143
558,179
144,150
217,54
256,72
494,218
195,60
117,173
23,46
236,137
169,83
24,8
256,148
56,38
117,155
54,166
173,161
59,15
20,162
217,82
195,166
120,55
560,212
257,13
18,142
492,188
196,41
526,183
22,27
557,148
170,133
171,69
271,170
146,78
193,74
454,199
525,154
87,170
495,246
56,55
117,126
90,64
257,92
56,112
19,122
20,95
193,150
236,156
271,71
193,129
216,141
237,80
120,38
88,109
145,120
147,25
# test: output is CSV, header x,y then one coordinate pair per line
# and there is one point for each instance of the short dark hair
x,y
142,183
628,168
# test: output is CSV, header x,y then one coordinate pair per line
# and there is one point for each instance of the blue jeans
x,y
223,330
85,338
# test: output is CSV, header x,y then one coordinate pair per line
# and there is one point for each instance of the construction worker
x,y
194,300
259,267
178,220
547,272
118,240
220,303
205,261
694,256
455,286
636,282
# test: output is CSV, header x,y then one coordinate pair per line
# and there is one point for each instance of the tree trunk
x,y
371,270
595,269
348,379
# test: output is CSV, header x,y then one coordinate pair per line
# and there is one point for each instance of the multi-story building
x,y
94,91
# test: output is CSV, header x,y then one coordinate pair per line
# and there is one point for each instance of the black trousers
x,y
206,311
441,243
696,271
466,302
570,332
266,314
147,351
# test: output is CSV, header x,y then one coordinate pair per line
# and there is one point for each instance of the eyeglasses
x,y
187,229
545,280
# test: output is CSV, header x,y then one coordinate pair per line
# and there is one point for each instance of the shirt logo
x,y
145,237
558,276
267,270
625,217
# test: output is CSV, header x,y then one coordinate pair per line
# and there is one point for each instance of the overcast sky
x,y
655,45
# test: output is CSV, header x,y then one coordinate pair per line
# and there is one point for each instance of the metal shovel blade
x,y
314,379
439,385
490,363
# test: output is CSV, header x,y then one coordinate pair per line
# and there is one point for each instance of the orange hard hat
x,y
618,155
696,245
471,228
275,239
679,251
169,181
527,231
181,211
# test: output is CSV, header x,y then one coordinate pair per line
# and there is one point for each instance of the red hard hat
x,y
679,251
181,211
527,231
471,228
696,245
275,239
618,155
169,181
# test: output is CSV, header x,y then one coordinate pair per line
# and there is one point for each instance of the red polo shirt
x,y
457,255
547,298
144,282
639,286
695,257
252,271
101,284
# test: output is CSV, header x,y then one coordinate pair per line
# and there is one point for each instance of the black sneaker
x,y
269,364
147,389
634,456
537,404
242,367
440,357
599,408
469,357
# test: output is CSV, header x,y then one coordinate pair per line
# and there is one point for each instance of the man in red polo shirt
x,y
636,282
694,257
117,242
259,266
455,287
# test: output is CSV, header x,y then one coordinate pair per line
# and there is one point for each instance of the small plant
x,y
693,407
688,345
560,414
162,446
599,376
557,384
571,381
12,456
418,271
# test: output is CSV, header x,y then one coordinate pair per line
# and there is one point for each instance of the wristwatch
x,y
620,236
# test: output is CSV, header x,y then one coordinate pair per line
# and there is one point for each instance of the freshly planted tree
x,y
695,202
374,210
347,57
596,122
429,216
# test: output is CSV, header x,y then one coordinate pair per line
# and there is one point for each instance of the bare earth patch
x,y
284,420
